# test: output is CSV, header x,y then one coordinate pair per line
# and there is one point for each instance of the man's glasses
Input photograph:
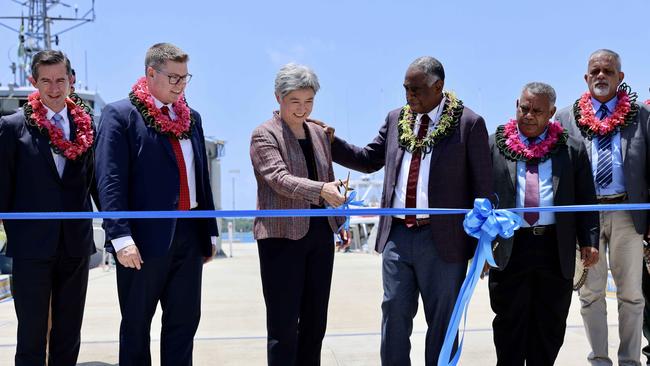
x,y
176,79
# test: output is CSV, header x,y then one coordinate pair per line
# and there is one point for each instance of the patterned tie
x,y
58,122
184,199
604,167
414,173
59,160
531,195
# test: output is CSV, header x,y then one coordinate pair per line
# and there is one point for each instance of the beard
x,y
602,90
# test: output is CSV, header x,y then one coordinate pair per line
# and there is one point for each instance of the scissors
x,y
346,186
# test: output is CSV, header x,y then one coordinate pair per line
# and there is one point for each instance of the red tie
x,y
414,173
184,200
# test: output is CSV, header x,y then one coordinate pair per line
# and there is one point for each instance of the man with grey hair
x,y
615,130
151,157
435,154
530,291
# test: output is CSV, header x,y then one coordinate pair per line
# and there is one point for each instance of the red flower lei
x,y
510,144
144,102
588,122
36,115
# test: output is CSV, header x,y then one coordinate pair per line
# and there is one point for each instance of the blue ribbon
x,y
350,201
302,213
485,223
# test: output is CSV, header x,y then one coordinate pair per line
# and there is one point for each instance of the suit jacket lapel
x,y
627,134
558,161
512,170
43,144
198,156
435,153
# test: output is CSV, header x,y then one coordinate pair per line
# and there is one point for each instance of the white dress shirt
x,y
422,192
188,156
59,160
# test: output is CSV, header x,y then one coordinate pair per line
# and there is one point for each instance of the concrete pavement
x,y
232,330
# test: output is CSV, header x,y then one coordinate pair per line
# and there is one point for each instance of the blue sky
x,y
360,50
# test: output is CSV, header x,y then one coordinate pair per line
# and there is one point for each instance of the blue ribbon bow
x,y
484,223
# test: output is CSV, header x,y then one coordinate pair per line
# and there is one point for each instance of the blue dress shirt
x,y
545,171
618,179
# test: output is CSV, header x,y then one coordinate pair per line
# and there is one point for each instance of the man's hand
x,y
329,130
589,256
330,193
486,270
129,257
208,259
345,240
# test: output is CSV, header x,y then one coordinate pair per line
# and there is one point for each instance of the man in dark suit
x,y
47,166
435,154
615,131
150,157
535,164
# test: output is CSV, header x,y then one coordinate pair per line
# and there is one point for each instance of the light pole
x,y
235,173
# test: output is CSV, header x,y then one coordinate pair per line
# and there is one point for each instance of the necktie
x,y
184,199
604,167
531,195
59,160
414,172
58,122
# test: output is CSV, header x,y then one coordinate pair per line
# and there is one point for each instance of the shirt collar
x,y
63,113
434,114
160,104
611,104
538,139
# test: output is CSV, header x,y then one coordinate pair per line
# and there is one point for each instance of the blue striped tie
x,y
604,168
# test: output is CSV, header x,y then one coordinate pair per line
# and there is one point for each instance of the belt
x,y
537,230
614,198
418,222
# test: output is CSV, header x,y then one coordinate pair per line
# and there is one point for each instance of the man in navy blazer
x,y
40,172
151,157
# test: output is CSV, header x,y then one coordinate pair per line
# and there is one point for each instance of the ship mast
x,y
35,33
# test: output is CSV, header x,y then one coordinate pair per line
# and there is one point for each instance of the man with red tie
x,y
151,157
435,154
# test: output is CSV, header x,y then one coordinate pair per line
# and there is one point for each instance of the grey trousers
x,y
412,266
625,249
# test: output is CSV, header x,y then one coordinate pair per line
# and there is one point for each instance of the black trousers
x,y
175,281
531,300
646,313
63,279
296,279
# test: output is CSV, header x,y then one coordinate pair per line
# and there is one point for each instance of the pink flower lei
x,y
36,115
623,113
510,144
154,118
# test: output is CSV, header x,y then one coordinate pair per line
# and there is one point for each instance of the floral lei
x,y
449,119
624,113
180,128
510,145
36,115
